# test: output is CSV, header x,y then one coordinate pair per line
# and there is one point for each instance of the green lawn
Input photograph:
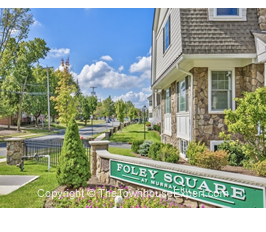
x,y
120,151
26,196
134,132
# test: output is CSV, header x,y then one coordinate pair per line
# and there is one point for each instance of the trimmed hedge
x,y
157,128
135,145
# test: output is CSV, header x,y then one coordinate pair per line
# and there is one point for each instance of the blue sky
x,y
107,47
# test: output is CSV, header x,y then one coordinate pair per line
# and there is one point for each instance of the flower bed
x,y
104,197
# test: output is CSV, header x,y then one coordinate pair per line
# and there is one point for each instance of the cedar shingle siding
x,y
200,36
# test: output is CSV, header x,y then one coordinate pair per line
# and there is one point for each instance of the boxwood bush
x,y
193,149
157,128
164,152
135,145
155,151
212,159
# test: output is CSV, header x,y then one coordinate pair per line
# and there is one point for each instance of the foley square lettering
x,y
214,191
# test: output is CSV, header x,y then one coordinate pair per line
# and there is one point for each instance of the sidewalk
x,y
100,137
2,160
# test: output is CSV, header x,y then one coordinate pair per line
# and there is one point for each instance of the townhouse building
x,y
202,59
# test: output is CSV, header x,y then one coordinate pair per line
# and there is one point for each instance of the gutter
x,y
191,111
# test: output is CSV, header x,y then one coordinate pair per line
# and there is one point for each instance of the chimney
x,y
262,18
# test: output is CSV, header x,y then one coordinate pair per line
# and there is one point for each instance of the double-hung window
x,y
221,90
227,11
167,101
182,95
227,14
166,35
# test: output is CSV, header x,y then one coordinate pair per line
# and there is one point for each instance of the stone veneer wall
x,y
262,18
207,126
101,169
15,149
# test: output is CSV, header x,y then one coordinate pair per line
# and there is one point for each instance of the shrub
x,y
236,155
155,151
211,159
135,145
74,168
169,153
193,149
148,124
249,120
157,128
260,168
144,148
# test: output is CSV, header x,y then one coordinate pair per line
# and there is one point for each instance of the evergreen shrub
x,y
74,168
135,145
212,159
144,148
193,149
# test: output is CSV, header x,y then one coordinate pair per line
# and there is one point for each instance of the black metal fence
x,y
49,147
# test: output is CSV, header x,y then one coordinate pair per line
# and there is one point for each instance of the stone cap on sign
x,y
14,139
186,169
95,143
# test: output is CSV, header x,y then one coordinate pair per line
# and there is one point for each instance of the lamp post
x,y
144,108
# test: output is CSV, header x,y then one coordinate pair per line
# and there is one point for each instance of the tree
x,y
132,113
108,107
74,168
65,100
129,104
35,99
249,120
23,56
120,107
89,105
15,23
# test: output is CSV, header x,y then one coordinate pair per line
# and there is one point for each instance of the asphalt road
x,y
85,132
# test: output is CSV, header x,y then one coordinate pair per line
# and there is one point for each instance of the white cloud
x,y
61,52
108,58
100,74
142,65
36,23
138,99
147,90
121,68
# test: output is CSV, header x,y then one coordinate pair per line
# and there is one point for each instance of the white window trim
x,y
210,88
181,153
183,111
215,142
212,13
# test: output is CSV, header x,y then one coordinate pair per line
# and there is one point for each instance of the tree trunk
x,y
9,122
20,104
19,113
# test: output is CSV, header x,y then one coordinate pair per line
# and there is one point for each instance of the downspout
x,y
191,111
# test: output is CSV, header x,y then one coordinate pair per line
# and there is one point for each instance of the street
x,y
85,132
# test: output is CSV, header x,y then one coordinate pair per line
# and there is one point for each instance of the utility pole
x,y
48,99
93,93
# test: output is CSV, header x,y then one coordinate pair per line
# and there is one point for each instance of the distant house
x,y
201,60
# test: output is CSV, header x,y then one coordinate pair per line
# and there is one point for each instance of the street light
x,y
144,108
